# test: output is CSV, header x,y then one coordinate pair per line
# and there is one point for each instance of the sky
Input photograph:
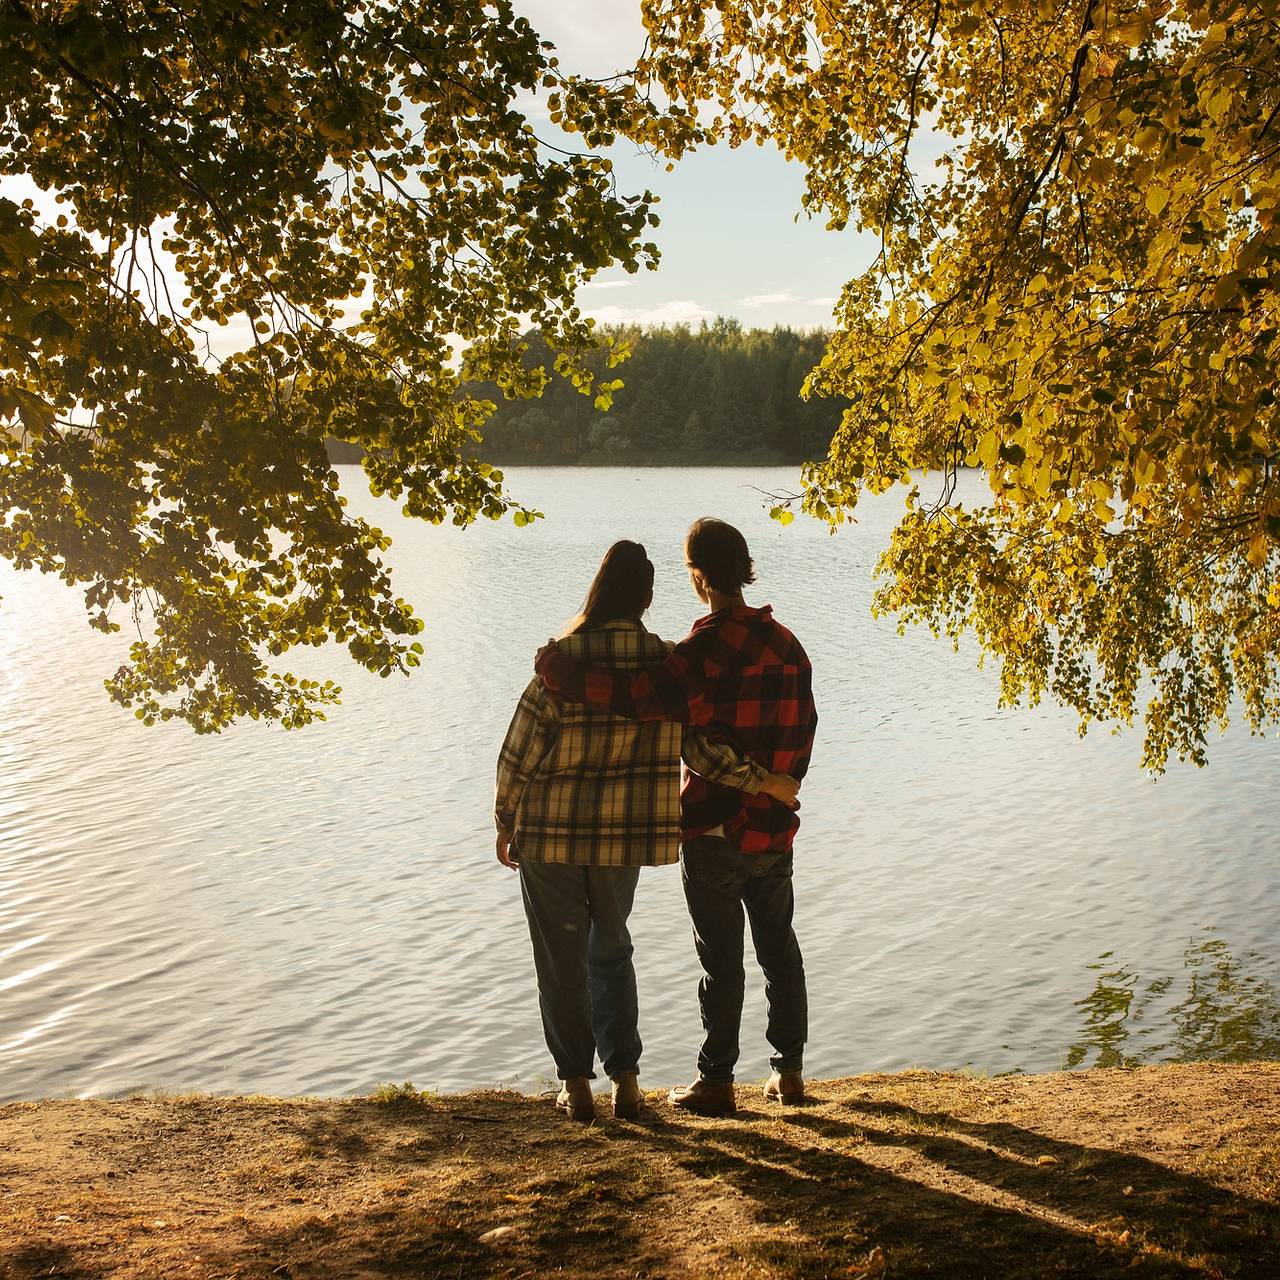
x,y
730,239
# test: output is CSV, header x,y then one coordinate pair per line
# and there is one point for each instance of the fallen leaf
x,y
875,1266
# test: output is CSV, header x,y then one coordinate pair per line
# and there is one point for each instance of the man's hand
x,y
504,851
781,787
550,647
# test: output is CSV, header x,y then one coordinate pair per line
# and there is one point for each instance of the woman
x,y
584,800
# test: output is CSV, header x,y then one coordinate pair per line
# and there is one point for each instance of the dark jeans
x,y
582,954
718,883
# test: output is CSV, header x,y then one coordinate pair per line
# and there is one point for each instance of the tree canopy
x,y
357,187
1080,298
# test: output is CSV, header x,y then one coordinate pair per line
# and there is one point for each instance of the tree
x,y
1081,300
356,185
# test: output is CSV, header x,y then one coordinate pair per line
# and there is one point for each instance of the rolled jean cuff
x,y
575,1075
787,1066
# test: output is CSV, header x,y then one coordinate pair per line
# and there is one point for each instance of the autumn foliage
x,y
353,186
1076,291
1080,297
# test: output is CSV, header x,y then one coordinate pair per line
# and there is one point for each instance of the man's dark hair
x,y
719,552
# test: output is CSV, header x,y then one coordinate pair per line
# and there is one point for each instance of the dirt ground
x,y
1159,1171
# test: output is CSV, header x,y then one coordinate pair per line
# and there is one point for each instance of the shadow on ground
x,y
883,1176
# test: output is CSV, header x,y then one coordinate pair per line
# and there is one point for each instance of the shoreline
x,y
1158,1170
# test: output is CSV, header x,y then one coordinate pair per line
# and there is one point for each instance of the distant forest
x,y
718,394
715,394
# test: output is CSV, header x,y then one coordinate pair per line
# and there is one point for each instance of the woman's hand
x,y
783,788
504,851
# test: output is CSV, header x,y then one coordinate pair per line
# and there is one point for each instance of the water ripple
x,y
317,911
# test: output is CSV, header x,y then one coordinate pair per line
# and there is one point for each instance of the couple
x,y
588,792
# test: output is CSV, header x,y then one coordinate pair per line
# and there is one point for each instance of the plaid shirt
x,y
586,787
742,676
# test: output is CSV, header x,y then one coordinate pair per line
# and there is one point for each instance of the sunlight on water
x,y
318,911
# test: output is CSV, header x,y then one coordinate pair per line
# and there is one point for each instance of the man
x,y
744,677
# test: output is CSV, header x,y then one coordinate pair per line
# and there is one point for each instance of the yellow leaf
x,y
987,449
1133,32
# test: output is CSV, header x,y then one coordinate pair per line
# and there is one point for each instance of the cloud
x,y
768,299
785,298
608,284
679,311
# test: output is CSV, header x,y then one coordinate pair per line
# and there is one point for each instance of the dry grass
x,y
1161,1171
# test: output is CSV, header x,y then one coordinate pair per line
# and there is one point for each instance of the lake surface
x,y
319,911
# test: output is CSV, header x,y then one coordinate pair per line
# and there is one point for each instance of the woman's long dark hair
x,y
622,587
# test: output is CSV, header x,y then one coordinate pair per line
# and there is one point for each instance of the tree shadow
x,y
413,1189
1175,1210
977,1200
25,1260
578,1212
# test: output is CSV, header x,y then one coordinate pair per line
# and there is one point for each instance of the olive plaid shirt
x,y
742,676
586,787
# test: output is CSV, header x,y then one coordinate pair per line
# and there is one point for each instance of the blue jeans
x,y
582,955
718,883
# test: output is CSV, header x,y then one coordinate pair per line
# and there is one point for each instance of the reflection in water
x,y
1227,1013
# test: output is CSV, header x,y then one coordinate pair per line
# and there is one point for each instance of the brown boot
x,y
576,1099
786,1087
627,1096
705,1098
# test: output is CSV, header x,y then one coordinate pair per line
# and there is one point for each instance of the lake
x,y
318,911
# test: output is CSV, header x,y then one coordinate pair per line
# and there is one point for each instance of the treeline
x,y
717,394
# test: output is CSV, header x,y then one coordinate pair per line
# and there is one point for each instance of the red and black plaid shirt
x,y
742,677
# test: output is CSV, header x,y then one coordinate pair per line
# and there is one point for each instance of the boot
x,y
627,1096
786,1087
705,1098
576,1099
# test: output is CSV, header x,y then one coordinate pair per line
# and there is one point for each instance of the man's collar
x,y
737,611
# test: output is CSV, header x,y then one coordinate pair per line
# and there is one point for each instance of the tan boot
x,y
627,1096
786,1087
705,1098
576,1098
